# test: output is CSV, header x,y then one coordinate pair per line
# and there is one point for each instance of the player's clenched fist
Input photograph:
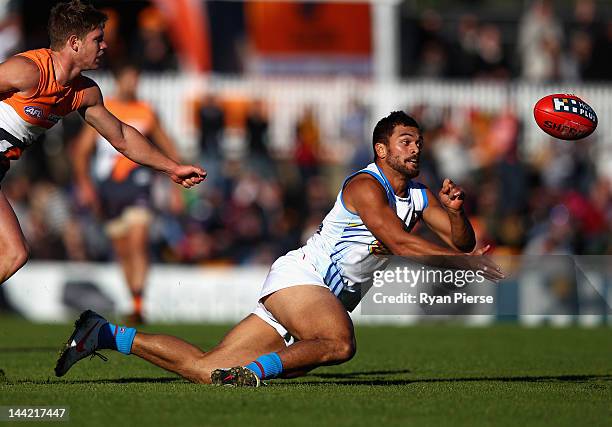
x,y
451,195
188,175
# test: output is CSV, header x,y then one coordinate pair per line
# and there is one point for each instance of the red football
x,y
565,116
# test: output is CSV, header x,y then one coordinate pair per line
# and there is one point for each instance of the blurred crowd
x,y
258,203
538,45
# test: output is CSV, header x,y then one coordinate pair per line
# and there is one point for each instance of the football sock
x,y
266,366
137,302
116,337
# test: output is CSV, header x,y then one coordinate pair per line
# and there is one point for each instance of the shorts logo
x,y
569,105
33,111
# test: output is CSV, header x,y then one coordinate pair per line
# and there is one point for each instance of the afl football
x,y
565,116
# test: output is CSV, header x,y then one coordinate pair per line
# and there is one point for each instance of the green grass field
x,y
425,375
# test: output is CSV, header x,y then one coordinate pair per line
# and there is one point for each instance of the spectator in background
x,y
112,35
10,28
48,221
448,145
353,134
256,126
602,52
539,42
152,46
244,217
585,12
491,60
465,56
212,127
577,63
307,144
257,129
433,55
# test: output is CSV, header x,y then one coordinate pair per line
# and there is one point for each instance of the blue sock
x,y
266,366
116,337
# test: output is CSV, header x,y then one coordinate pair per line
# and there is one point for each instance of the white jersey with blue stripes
x,y
344,251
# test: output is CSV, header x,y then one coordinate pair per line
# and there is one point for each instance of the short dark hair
x,y
72,17
385,126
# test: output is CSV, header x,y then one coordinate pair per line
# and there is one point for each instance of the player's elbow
x,y
120,144
406,247
120,138
467,245
466,248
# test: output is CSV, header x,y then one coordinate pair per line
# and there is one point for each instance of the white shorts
x,y
292,269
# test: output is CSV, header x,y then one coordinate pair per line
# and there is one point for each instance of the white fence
x,y
286,98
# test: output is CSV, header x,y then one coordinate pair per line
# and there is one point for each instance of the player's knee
x,y
24,255
18,256
343,350
347,350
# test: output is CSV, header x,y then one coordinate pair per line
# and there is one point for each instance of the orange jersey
x,y
109,162
137,114
27,117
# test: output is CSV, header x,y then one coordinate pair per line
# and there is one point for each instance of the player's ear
x,y
381,150
74,42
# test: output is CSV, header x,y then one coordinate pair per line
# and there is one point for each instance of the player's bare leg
x,y
311,314
320,323
249,339
12,241
243,343
122,255
131,250
317,319
138,243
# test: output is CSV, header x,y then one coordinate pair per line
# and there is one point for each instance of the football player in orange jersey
x,y
119,190
39,87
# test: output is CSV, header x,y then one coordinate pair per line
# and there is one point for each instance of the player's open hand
x,y
188,175
451,195
480,261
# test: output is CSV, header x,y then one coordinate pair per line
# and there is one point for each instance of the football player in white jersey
x,y
300,321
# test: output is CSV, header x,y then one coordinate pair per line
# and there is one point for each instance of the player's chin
x,y
412,169
97,63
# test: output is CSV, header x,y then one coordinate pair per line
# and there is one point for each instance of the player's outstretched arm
x,y
129,142
447,219
365,196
